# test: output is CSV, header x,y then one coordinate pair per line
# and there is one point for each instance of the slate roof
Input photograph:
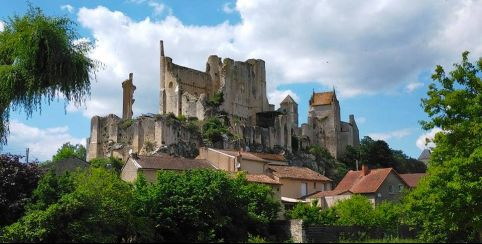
x,y
412,179
172,163
323,98
69,164
298,173
355,182
425,155
260,178
288,99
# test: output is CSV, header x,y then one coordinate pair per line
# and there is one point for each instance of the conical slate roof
x,y
425,155
288,99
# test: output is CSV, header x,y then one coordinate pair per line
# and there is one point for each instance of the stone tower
x,y
128,89
290,107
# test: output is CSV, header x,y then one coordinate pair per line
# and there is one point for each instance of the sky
x,y
378,55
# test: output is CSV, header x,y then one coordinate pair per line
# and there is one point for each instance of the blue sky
x,y
377,54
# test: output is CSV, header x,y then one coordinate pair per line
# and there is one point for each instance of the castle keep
x,y
185,91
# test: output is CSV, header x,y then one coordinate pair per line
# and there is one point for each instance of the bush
x,y
204,206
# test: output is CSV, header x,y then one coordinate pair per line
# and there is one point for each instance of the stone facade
x,y
185,91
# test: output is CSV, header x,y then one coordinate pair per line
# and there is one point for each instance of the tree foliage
x,y
446,203
97,209
17,181
378,154
214,130
113,163
68,150
41,57
204,206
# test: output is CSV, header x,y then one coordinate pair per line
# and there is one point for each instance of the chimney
x,y
365,171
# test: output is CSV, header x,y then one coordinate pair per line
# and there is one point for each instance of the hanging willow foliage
x,y
41,57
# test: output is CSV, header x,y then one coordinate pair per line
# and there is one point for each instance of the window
x,y
314,185
400,188
170,84
390,189
304,189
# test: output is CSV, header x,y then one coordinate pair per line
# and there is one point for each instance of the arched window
x,y
170,84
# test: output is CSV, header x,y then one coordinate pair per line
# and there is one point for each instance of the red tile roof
x,y
294,172
323,98
270,156
262,179
245,155
355,182
320,194
412,179
172,163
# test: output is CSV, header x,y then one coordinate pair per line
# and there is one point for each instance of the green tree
x,y
378,154
312,214
214,130
17,182
356,210
446,203
107,163
203,206
41,57
96,210
68,150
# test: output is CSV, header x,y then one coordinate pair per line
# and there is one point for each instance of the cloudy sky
x,y
378,55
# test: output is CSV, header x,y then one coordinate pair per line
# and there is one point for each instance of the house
x,y
377,185
233,161
412,179
293,181
68,164
150,165
298,181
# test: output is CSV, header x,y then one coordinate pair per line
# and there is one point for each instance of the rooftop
x,y
260,178
172,163
355,182
322,98
412,179
294,172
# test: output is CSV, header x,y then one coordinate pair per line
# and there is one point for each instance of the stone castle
x,y
185,91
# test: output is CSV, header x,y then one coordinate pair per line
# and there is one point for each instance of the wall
x,y
292,188
129,171
252,167
393,180
219,159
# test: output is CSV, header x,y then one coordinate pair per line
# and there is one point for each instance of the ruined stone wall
x,y
111,136
244,88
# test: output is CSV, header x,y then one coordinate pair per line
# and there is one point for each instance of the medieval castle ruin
x,y
185,91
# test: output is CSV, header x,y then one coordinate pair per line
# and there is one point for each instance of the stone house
x,y
298,181
293,181
377,185
150,165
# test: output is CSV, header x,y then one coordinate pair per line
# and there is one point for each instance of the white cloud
x,y
413,86
359,46
43,143
425,141
276,97
229,8
391,134
2,26
69,8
